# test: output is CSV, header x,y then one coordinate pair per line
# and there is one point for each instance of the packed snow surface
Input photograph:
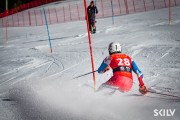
x,y
38,85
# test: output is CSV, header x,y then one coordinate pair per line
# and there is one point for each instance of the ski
x,y
164,94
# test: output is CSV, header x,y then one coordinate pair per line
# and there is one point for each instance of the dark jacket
x,y
91,12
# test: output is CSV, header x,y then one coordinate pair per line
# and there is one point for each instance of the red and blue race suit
x,y
122,66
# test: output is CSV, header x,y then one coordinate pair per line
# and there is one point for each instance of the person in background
x,y
92,11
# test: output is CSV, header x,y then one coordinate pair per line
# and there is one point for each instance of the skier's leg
x,y
107,89
94,27
90,25
124,84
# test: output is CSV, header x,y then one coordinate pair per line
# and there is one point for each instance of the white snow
x,y
38,85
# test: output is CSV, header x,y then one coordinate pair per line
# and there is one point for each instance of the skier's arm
x,y
138,73
104,65
142,87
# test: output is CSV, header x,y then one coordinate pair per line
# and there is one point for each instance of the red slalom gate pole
x,y
169,11
119,6
18,19
126,5
175,2
6,30
2,22
41,17
70,12
102,8
165,3
29,15
49,15
134,6
23,18
154,4
35,16
78,10
64,14
90,44
144,5
12,21
56,15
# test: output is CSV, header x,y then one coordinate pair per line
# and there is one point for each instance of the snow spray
x,y
47,30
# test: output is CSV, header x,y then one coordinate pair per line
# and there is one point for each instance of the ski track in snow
x,y
38,85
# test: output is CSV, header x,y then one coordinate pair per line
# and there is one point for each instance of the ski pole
x,y
85,74
164,94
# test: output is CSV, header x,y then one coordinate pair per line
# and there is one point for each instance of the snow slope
x,y
38,85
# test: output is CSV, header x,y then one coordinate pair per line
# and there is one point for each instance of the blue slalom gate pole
x,y
112,12
47,30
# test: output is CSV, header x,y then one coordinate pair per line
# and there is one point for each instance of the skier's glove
x,y
107,69
143,90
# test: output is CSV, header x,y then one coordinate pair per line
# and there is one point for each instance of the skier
x,y
122,66
92,10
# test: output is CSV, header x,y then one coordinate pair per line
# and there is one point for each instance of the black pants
x,y
91,24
